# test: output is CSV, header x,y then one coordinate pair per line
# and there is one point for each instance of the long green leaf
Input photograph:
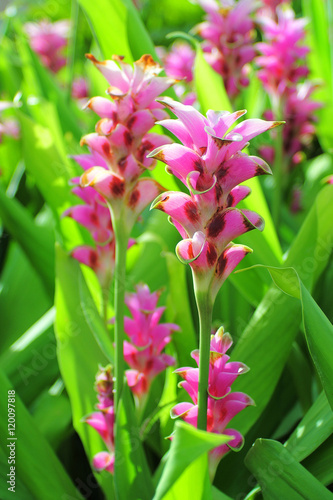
x,y
187,445
280,475
313,429
79,356
37,242
262,346
39,473
132,475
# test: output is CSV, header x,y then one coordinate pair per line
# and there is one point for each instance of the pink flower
x,y
228,33
148,337
103,420
121,141
223,404
80,88
179,62
47,40
211,165
283,54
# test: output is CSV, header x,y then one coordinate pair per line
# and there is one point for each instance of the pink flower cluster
x,y
48,40
211,165
228,33
223,404
148,337
178,64
94,215
103,420
283,67
119,147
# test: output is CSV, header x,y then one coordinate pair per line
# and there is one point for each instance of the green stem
x,y
72,46
119,305
205,310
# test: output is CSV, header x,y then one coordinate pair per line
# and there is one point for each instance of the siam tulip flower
x,y
80,90
228,33
121,141
148,337
211,164
103,420
329,179
223,404
47,40
178,64
282,61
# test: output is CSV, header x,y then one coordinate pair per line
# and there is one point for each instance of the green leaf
x,y
313,429
187,445
39,473
37,242
318,329
262,346
193,483
209,85
319,463
111,41
280,475
94,320
31,362
21,290
79,356
178,310
52,172
132,475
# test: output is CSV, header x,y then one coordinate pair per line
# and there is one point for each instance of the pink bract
x,y
211,164
228,33
223,404
148,337
47,39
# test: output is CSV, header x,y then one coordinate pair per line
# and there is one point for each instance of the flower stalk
x,y
205,310
119,306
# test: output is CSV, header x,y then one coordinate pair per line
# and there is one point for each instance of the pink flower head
x,y
121,141
103,420
283,54
223,404
228,33
211,165
47,40
329,179
148,337
179,62
80,88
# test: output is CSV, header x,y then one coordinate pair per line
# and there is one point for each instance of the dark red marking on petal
x,y
146,146
222,171
221,264
122,163
128,138
93,259
247,224
216,225
106,149
134,198
117,187
198,166
191,211
230,200
131,122
94,218
261,171
211,254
